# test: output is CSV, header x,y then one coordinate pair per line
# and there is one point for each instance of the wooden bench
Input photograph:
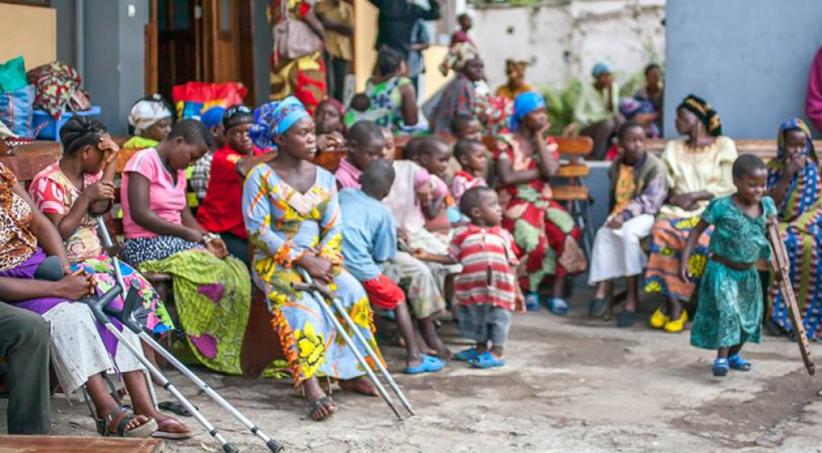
x,y
65,444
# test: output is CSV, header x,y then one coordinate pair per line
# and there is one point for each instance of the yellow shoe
x,y
678,325
659,319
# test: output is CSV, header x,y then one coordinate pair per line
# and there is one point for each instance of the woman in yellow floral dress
x,y
292,215
699,169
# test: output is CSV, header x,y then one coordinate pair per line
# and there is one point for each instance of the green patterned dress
x,y
730,301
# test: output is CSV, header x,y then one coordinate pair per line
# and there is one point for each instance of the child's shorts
x,y
383,293
484,322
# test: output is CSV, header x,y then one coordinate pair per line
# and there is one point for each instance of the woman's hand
x,y
193,235
217,247
109,149
74,286
99,191
317,267
329,142
685,201
795,163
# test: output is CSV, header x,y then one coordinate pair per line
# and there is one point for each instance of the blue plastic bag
x,y
16,109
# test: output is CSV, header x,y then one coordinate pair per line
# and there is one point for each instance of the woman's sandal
x,y
104,425
736,362
160,434
487,360
558,306
466,355
721,367
316,404
659,319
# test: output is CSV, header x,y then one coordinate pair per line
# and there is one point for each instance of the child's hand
x,y
519,302
615,222
109,149
99,191
795,163
420,254
425,194
684,275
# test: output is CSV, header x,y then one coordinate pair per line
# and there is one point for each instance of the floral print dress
x,y
284,224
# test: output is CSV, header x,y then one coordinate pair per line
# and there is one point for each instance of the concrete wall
x,y
565,38
749,58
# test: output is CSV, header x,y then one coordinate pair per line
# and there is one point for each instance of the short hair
x,y
365,132
746,164
192,132
624,127
80,131
427,146
388,60
651,67
472,198
378,176
460,121
412,147
463,15
464,146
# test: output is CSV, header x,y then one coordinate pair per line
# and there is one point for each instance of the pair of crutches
x,y
103,313
322,292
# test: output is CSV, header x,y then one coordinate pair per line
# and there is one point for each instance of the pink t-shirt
x,y
348,175
165,199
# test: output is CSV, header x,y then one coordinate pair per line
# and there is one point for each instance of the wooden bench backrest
x,y
764,149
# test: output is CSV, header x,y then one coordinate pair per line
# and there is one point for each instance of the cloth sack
x,y
55,83
194,98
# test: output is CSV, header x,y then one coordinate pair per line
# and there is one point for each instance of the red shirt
x,y
221,211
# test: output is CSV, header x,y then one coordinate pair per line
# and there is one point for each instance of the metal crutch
x,y
321,292
127,319
98,308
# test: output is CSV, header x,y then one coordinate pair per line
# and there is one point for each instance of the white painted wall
x,y
565,38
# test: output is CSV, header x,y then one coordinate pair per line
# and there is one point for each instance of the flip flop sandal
x,y
597,308
429,365
142,431
466,355
626,319
175,407
532,301
558,306
721,367
486,360
160,434
318,403
736,362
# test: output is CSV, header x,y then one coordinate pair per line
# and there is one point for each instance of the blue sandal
x,y
558,306
429,365
721,367
467,355
736,362
486,360
532,301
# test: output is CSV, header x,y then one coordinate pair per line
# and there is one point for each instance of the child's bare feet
x,y
359,385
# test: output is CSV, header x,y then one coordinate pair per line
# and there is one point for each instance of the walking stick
x,y
781,268
126,317
321,292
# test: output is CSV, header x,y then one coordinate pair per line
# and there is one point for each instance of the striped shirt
x,y
487,256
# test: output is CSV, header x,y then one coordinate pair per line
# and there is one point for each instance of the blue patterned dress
x,y
284,224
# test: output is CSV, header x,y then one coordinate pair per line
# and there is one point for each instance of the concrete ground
x,y
572,384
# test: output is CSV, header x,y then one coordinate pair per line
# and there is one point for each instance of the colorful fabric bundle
x,y
194,98
54,84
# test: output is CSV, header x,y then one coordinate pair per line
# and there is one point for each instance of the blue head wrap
x,y
212,116
601,68
523,105
275,118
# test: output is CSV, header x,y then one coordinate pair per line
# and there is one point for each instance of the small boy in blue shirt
x,y
370,241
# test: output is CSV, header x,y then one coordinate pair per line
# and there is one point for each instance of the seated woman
x,y
292,214
81,348
151,119
653,93
393,101
699,170
212,290
793,180
545,233
596,113
71,191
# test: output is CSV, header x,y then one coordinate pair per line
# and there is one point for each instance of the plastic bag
x,y
16,109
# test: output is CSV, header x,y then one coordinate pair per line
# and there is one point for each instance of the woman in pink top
x,y
212,290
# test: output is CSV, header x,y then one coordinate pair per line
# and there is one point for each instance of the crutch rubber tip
x,y
230,448
274,446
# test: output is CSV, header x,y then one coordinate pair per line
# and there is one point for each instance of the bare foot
x,y
359,385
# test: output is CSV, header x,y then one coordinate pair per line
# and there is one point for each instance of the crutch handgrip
x,y
124,315
98,306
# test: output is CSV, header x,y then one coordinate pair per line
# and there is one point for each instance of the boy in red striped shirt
x,y
486,289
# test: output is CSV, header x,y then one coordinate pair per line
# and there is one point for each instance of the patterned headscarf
x,y
602,67
704,112
275,118
804,192
236,115
148,112
523,105
458,57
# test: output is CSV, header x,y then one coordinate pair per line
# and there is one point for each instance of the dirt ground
x,y
572,384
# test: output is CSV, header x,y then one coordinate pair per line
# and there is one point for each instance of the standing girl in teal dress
x,y
292,215
730,307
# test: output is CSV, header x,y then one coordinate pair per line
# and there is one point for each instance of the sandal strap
x,y
319,402
168,422
123,423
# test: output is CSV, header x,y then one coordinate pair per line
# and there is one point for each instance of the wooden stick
x,y
781,268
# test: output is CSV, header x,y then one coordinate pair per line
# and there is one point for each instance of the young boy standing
x,y
486,289
369,243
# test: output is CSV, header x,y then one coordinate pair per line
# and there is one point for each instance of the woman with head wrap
x,y
793,180
542,229
151,120
467,95
596,113
212,291
292,214
699,170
